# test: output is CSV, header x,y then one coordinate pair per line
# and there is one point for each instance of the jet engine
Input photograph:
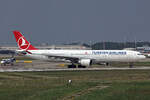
x,y
85,62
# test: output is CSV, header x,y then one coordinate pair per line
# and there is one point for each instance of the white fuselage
x,y
96,55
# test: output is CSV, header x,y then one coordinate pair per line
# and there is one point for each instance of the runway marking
x,y
23,61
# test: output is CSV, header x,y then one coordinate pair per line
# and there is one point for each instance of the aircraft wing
x,y
72,59
24,52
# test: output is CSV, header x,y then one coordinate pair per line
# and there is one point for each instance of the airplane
x,y
82,58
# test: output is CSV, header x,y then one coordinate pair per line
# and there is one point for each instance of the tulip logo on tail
x,y
23,44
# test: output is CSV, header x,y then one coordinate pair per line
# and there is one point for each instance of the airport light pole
x,y
135,42
103,45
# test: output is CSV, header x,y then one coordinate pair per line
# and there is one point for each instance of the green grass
x,y
117,91
87,85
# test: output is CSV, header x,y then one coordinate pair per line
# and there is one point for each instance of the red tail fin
x,y
23,44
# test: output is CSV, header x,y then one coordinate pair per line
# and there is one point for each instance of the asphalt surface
x,y
71,69
55,66
38,65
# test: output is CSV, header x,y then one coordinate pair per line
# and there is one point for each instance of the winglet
x,y
23,44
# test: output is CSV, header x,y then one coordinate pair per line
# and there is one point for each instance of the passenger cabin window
x,y
139,54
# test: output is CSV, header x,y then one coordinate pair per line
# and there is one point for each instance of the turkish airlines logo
x,y
22,43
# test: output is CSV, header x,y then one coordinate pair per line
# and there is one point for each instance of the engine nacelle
x,y
85,62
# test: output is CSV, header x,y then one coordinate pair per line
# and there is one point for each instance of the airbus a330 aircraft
x,y
81,57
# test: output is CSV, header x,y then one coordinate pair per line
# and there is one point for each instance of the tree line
x,y
116,45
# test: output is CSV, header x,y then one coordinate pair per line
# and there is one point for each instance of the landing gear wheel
x,y
107,64
72,66
130,65
80,66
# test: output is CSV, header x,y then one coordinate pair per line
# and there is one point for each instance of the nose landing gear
x,y
131,65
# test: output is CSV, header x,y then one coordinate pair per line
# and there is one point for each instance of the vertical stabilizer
x,y
23,44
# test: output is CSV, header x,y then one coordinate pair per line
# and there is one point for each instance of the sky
x,y
66,21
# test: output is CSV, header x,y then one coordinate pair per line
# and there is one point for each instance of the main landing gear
x,y
72,66
80,66
76,66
